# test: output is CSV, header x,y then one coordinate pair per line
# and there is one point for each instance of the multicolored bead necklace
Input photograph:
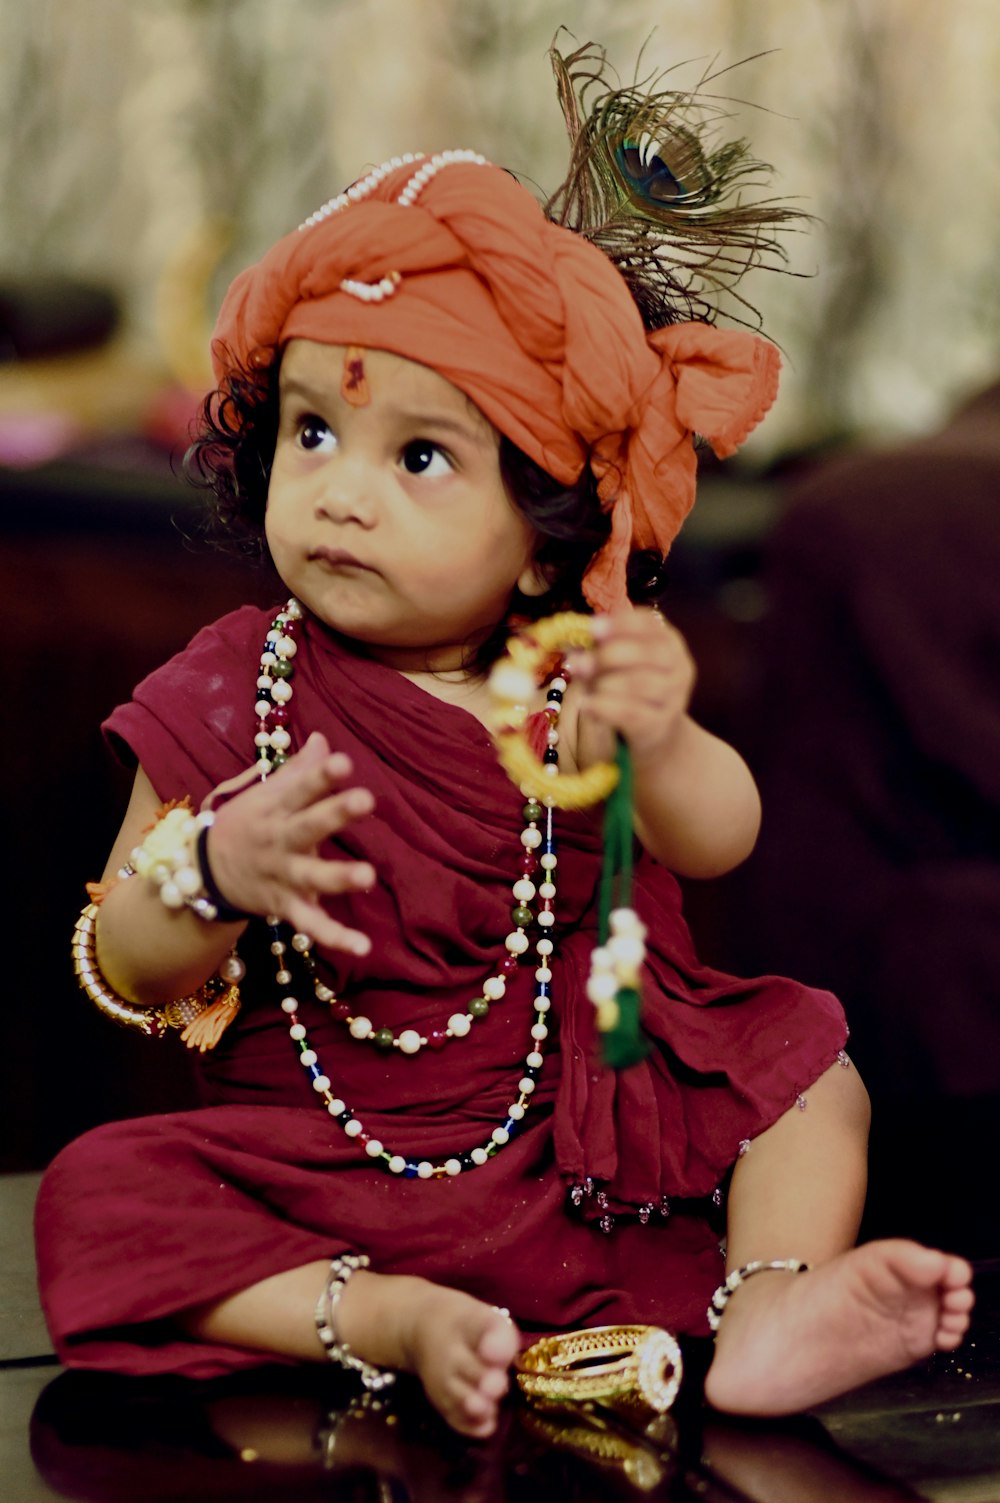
x,y
273,740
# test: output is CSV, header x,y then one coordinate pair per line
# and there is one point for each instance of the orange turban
x,y
449,262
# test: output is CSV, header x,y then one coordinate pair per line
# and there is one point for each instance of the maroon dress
x,y
605,1207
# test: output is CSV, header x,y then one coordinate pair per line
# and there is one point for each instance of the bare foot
x,y
459,1348
789,1341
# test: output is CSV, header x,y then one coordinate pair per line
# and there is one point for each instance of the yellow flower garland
x,y
513,683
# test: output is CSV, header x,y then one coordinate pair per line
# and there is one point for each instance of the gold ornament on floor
x,y
646,1457
619,1367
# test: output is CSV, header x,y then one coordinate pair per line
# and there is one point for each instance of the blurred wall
x,y
139,137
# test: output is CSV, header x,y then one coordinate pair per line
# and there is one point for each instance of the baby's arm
x,y
696,804
263,851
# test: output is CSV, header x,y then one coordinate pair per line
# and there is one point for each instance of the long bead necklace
x,y
273,740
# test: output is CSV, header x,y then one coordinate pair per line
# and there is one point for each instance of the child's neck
x,y
443,671
450,664
467,690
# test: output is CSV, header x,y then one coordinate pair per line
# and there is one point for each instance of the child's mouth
x,y
336,558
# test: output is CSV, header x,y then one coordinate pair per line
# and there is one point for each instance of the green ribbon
x,y
624,1044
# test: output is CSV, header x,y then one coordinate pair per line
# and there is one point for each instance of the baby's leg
x,y
458,1347
790,1340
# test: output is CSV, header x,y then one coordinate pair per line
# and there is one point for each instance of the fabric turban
x,y
529,320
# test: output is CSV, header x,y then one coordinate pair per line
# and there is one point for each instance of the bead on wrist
x,y
173,857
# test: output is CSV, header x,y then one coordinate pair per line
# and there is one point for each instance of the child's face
x,y
389,520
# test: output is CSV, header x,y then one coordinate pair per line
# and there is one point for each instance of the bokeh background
x,y
151,148
143,138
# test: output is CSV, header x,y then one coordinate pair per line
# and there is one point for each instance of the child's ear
x,y
535,579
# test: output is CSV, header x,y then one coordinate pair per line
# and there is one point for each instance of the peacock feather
x,y
677,210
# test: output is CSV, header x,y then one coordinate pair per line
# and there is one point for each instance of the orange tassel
x,y
165,809
205,1031
98,891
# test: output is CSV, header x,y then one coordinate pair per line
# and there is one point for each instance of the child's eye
x,y
421,457
314,434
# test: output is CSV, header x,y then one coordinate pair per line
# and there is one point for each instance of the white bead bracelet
x,y
725,1291
341,1269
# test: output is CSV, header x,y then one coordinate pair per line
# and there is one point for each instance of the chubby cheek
x,y
279,544
475,591
272,533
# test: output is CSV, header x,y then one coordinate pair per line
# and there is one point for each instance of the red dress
x,y
605,1207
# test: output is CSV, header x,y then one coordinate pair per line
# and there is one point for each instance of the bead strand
x,y
428,168
360,189
385,287
272,737
410,1041
418,182
397,1163
273,740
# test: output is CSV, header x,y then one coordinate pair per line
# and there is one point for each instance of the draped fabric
x,y
532,322
139,1219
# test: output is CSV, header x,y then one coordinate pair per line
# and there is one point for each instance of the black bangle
x,y
224,912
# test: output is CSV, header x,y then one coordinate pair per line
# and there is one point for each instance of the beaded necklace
x,y
272,741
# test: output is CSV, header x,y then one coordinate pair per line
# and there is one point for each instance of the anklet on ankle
x,y
725,1292
374,1378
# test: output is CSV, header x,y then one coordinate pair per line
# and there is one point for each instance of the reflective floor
x,y
291,1435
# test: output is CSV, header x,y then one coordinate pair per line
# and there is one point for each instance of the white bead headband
x,y
376,292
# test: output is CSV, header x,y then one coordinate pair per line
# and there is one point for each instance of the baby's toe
x,y
498,1343
958,1273
479,1414
958,1301
477,1405
494,1382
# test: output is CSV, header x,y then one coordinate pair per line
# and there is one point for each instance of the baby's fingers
x,y
311,879
329,816
312,919
315,874
309,775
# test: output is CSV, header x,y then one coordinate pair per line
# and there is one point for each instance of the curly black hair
x,y
233,449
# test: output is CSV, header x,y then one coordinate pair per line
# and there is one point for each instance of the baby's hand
x,y
636,680
263,848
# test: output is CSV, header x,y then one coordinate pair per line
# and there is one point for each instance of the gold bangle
x,y
513,682
612,1365
201,1017
151,1021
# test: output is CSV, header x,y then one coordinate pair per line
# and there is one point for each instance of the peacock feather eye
x,y
656,182
667,168
646,172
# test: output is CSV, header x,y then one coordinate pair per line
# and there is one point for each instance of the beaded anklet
x,y
341,1269
725,1292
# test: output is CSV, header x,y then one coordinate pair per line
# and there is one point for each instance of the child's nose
x,y
347,492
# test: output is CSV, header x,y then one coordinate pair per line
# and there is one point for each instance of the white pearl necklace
x,y
273,741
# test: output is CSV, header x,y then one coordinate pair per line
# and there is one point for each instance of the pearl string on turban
x,y
449,262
